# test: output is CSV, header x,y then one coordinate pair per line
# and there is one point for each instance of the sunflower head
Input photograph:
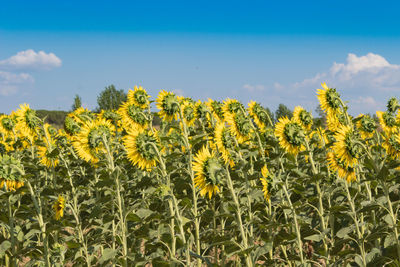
x,y
11,173
141,147
344,171
189,112
109,115
240,126
329,98
266,182
290,135
303,117
231,107
27,120
58,207
71,127
133,116
258,114
7,124
387,121
348,146
392,105
48,155
139,97
216,109
201,110
392,145
224,142
168,104
366,125
209,172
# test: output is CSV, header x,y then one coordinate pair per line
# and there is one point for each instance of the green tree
x,y
110,98
77,102
283,111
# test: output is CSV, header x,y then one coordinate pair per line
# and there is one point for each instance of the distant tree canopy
x,y
54,117
110,98
283,111
77,103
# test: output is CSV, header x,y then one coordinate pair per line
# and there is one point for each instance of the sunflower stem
x,y
12,234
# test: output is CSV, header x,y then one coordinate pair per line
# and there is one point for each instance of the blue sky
x,y
271,52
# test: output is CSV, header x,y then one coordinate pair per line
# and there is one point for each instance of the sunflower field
x,y
217,184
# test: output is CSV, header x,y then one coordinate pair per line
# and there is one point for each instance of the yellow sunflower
x,y
347,146
392,145
58,207
7,124
224,142
189,112
258,114
366,125
209,172
265,180
47,158
303,117
168,104
11,173
344,171
329,99
82,115
132,116
335,120
88,143
387,121
216,109
141,147
231,107
138,97
290,135
27,121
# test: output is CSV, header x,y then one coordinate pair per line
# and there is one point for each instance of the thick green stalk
x,y
393,216
12,234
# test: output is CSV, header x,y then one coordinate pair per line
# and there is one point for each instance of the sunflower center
x,y
234,107
188,113
214,171
136,114
368,124
294,134
242,123
145,146
305,117
261,113
70,126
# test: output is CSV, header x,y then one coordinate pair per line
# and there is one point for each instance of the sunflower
x,y
27,121
201,110
388,121
209,172
265,180
366,125
58,207
138,97
224,142
392,145
258,114
336,165
82,115
393,105
188,111
303,117
71,126
110,115
290,135
329,99
335,120
216,109
241,126
231,107
89,142
49,131
7,124
347,147
168,105
141,147
132,116
47,156
11,173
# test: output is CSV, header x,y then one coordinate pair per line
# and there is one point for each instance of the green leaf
x,y
342,233
108,254
316,237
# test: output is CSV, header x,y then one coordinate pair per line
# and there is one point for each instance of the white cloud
x,y
29,59
10,82
254,88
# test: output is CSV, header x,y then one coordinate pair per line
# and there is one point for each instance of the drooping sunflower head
x,y
11,173
209,172
189,112
132,116
329,99
224,142
141,147
71,127
266,182
27,121
335,120
82,115
139,97
110,115
344,171
303,117
388,121
216,109
290,134
231,107
47,154
89,143
241,126
348,147
392,105
7,124
168,104
366,125
258,114
58,207
392,145
201,110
